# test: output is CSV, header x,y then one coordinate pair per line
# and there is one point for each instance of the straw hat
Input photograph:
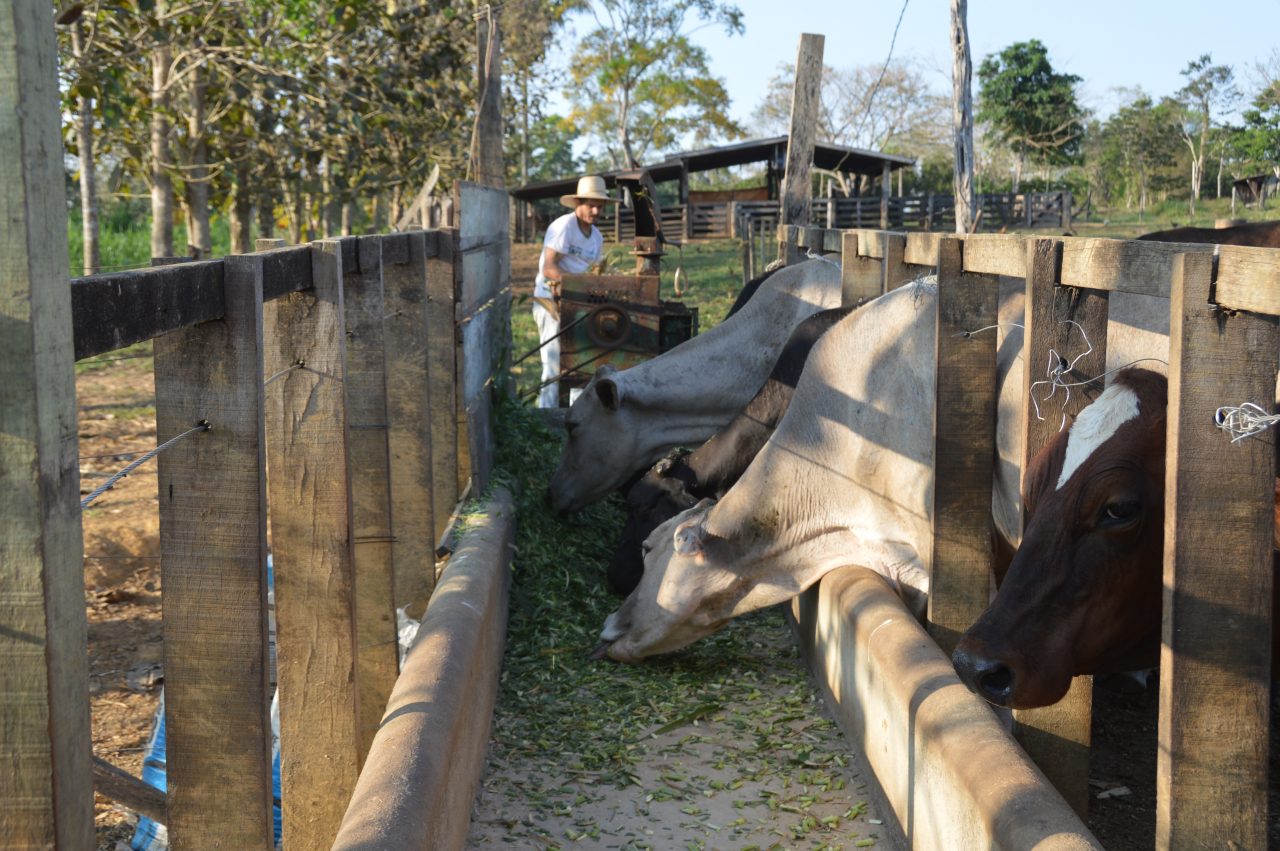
x,y
590,188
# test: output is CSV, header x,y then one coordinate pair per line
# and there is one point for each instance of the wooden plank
x,y
484,272
1249,279
896,270
377,660
123,788
861,278
871,243
996,254
483,215
213,549
922,249
46,786
1058,737
832,241
442,365
486,149
113,311
1215,657
1127,265
806,99
311,522
409,415
964,446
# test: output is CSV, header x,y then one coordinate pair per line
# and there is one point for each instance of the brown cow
x,y
1084,592
1256,234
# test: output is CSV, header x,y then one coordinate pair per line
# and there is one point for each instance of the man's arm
x,y
551,268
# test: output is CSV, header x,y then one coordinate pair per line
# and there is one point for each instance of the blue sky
x,y
1117,43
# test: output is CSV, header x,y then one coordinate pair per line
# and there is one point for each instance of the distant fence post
x,y
213,544
442,375
46,788
311,523
805,101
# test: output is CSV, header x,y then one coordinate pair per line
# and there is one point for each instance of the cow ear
x,y
609,394
688,538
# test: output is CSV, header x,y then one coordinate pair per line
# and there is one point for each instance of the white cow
x,y
625,421
847,478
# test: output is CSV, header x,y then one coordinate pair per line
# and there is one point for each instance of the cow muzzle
x,y
990,679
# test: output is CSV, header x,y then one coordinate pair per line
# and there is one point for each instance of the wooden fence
x,y
360,371
740,219
1215,663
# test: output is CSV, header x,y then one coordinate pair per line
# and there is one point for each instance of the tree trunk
x,y
962,116
264,172
88,186
161,184
1017,171
347,210
293,201
198,231
241,212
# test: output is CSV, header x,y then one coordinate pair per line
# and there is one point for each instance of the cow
x,y
626,420
1083,592
679,480
1257,234
847,478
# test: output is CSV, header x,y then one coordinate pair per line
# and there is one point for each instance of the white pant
x,y
548,327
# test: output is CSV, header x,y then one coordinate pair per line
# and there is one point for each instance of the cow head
x,y
1083,593
685,592
600,442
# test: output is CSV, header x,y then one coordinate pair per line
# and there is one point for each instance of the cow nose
x,y
990,679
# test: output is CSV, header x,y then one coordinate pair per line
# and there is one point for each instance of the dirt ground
x,y
121,570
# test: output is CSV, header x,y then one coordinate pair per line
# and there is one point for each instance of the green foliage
x,y
1258,142
124,236
1136,151
639,83
1030,107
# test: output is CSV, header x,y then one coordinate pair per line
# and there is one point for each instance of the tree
x,y
528,30
1029,106
1259,140
1136,146
1210,89
641,84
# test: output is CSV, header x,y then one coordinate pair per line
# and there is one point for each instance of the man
x,y
572,245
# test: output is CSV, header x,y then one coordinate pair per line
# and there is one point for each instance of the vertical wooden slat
x,y
46,787
1058,737
896,270
964,443
802,134
861,278
377,658
441,369
1211,784
213,546
409,415
311,524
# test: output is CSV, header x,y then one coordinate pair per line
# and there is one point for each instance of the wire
x,y
203,425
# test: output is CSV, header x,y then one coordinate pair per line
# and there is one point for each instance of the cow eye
x,y
1120,513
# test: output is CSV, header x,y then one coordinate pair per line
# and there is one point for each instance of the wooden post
x,y
46,787
409,413
1211,782
364,309
487,152
213,549
896,270
687,215
314,566
964,447
442,374
831,204
886,184
962,117
1058,737
1066,210
267,244
861,278
806,98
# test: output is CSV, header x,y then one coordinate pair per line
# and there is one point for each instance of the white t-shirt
x,y
578,252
